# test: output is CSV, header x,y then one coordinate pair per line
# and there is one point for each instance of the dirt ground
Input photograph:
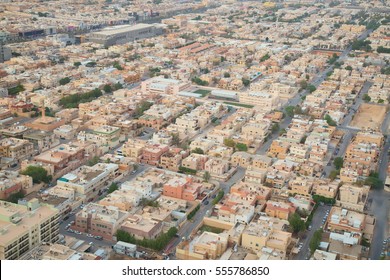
x,y
369,116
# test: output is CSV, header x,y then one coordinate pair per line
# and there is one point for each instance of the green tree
x,y
382,49
175,139
338,162
117,65
381,101
193,212
275,127
265,57
226,75
348,68
296,223
316,240
199,81
242,147
333,174
219,196
311,88
373,181
64,81
91,64
141,108
113,187
157,244
117,86
16,90
290,111
366,98
303,84
197,151
77,64
107,88
330,121
186,170
363,45
206,176
229,142
38,174
245,82
93,161
14,198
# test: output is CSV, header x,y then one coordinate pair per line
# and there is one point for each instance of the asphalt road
x,y
316,81
318,217
380,206
186,230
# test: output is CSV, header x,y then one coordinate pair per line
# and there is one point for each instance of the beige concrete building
x,y
142,227
87,181
266,232
100,220
159,85
207,246
16,148
353,197
23,227
13,182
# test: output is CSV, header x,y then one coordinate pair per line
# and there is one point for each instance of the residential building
x,y
195,161
182,188
206,246
159,85
12,182
266,232
151,154
122,34
89,181
353,197
25,226
100,220
16,148
281,210
141,227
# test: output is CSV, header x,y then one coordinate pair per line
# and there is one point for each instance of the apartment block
x,y
100,220
266,232
151,154
195,161
133,149
12,182
141,227
182,188
104,136
16,148
158,85
207,246
217,166
281,210
25,226
88,181
353,197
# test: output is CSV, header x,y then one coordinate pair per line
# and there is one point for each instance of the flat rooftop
x,y
122,28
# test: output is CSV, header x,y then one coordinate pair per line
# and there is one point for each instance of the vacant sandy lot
x,y
369,116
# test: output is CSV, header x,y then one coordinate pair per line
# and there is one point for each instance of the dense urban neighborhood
x,y
194,130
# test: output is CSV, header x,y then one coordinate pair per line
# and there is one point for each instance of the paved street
x,y
189,226
316,224
380,207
